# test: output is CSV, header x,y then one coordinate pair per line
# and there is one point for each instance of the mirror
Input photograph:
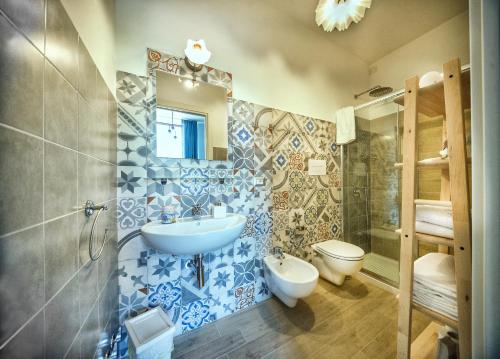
x,y
191,119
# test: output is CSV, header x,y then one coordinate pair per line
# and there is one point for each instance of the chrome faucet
x,y
196,212
278,253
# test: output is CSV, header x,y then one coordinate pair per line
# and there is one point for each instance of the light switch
x,y
317,167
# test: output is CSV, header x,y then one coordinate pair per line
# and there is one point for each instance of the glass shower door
x,y
371,189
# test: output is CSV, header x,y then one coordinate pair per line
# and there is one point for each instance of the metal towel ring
x,y
90,207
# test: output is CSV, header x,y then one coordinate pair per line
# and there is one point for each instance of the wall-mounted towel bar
x,y
90,207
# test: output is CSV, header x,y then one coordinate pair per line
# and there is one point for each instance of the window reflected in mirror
x,y
180,134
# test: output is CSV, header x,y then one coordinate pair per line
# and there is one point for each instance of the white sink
x,y
189,237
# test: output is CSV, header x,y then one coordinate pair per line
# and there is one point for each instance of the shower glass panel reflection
x,y
371,189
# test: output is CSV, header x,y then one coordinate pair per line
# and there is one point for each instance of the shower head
x,y
380,91
376,91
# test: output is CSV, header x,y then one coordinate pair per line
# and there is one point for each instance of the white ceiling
x,y
387,25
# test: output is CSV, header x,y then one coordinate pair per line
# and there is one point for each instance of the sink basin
x,y
189,237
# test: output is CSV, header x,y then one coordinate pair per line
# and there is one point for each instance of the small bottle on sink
x,y
168,215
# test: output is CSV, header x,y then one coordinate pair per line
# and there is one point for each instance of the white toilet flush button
x,y
317,167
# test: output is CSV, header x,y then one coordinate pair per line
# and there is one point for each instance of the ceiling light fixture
x,y
339,14
197,54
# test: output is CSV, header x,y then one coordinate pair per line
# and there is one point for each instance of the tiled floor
x,y
355,321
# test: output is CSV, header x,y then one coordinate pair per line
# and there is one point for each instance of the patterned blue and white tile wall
x,y
234,277
264,144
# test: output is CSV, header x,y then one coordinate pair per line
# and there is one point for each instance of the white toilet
x,y
336,259
290,278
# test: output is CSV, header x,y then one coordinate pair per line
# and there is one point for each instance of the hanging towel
x,y
346,125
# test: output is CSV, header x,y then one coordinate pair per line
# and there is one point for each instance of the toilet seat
x,y
339,250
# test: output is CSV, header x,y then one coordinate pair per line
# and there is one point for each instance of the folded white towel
x,y
433,229
437,307
442,289
435,267
437,215
434,284
426,294
432,303
346,125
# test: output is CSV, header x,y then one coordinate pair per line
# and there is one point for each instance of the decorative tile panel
x,y
131,305
242,135
244,249
245,296
195,314
243,180
132,276
163,268
131,181
221,292
131,213
244,273
243,157
222,257
243,112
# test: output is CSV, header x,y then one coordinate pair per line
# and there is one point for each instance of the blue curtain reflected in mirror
x,y
190,129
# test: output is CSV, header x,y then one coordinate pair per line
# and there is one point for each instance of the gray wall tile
x,y
21,279
61,46
29,17
61,252
86,73
87,284
60,181
103,126
95,180
108,302
112,126
74,351
88,181
39,261
100,104
29,343
21,81
62,320
61,109
90,334
88,128
22,170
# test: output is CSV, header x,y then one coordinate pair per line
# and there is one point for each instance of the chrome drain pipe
x,y
200,270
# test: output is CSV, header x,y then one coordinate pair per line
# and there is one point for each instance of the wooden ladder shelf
x,y
454,188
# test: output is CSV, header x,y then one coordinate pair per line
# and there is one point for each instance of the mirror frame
x,y
158,61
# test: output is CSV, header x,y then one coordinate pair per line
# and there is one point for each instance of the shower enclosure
x,y
372,188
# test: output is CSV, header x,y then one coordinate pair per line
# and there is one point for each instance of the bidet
x,y
289,278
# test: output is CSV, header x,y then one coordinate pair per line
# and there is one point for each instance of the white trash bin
x,y
150,335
